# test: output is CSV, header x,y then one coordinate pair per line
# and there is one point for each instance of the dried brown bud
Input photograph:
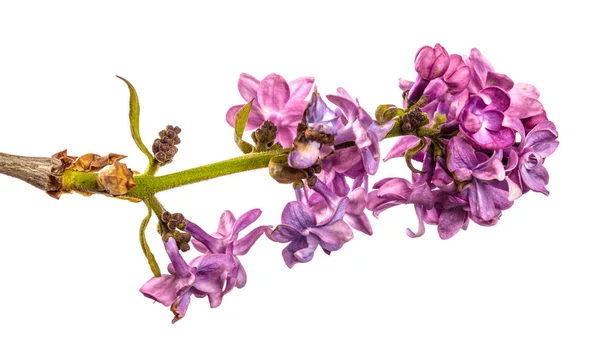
x,y
116,179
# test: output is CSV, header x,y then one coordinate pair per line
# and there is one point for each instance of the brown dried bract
x,y
94,162
116,179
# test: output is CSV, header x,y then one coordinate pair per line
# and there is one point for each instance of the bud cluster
x,y
164,147
174,222
264,137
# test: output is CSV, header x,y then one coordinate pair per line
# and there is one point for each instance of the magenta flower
x,y
482,119
203,276
529,172
360,128
226,235
213,274
274,100
488,190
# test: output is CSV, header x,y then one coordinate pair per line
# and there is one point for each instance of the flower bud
x,y
164,148
431,63
458,75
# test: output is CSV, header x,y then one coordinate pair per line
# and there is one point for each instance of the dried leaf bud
x,y
116,179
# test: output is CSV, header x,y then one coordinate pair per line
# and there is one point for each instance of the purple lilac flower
x,y
430,63
212,274
322,206
526,170
274,100
360,128
304,231
482,119
319,119
488,190
203,276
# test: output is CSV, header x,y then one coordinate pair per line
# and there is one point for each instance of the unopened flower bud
x,y
432,63
164,148
265,135
458,75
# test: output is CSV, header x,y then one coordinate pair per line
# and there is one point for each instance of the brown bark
x,y
42,172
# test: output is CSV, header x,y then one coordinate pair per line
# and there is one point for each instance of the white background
x,y
71,269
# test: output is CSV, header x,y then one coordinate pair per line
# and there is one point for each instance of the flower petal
x,y
298,215
284,233
335,233
241,246
300,87
248,86
244,221
401,146
450,222
273,94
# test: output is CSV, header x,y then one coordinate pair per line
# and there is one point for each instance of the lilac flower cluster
x,y
481,141
214,273
485,147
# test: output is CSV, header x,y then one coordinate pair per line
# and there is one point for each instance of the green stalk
x,y
148,185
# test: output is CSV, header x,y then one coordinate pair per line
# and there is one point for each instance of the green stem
x,y
147,185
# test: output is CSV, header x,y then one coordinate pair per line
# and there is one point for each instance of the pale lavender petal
x,y
180,306
522,106
421,230
357,201
359,222
335,233
241,246
404,84
514,189
394,189
460,155
273,94
284,233
241,278
298,215
200,247
401,146
491,169
179,264
482,205
499,80
296,245
213,244
248,86
370,162
255,119
244,221
226,222
292,114
450,222
421,195
306,254
544,132
536,179
285,136
304,155
347,106
165,288
479,70
300,88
